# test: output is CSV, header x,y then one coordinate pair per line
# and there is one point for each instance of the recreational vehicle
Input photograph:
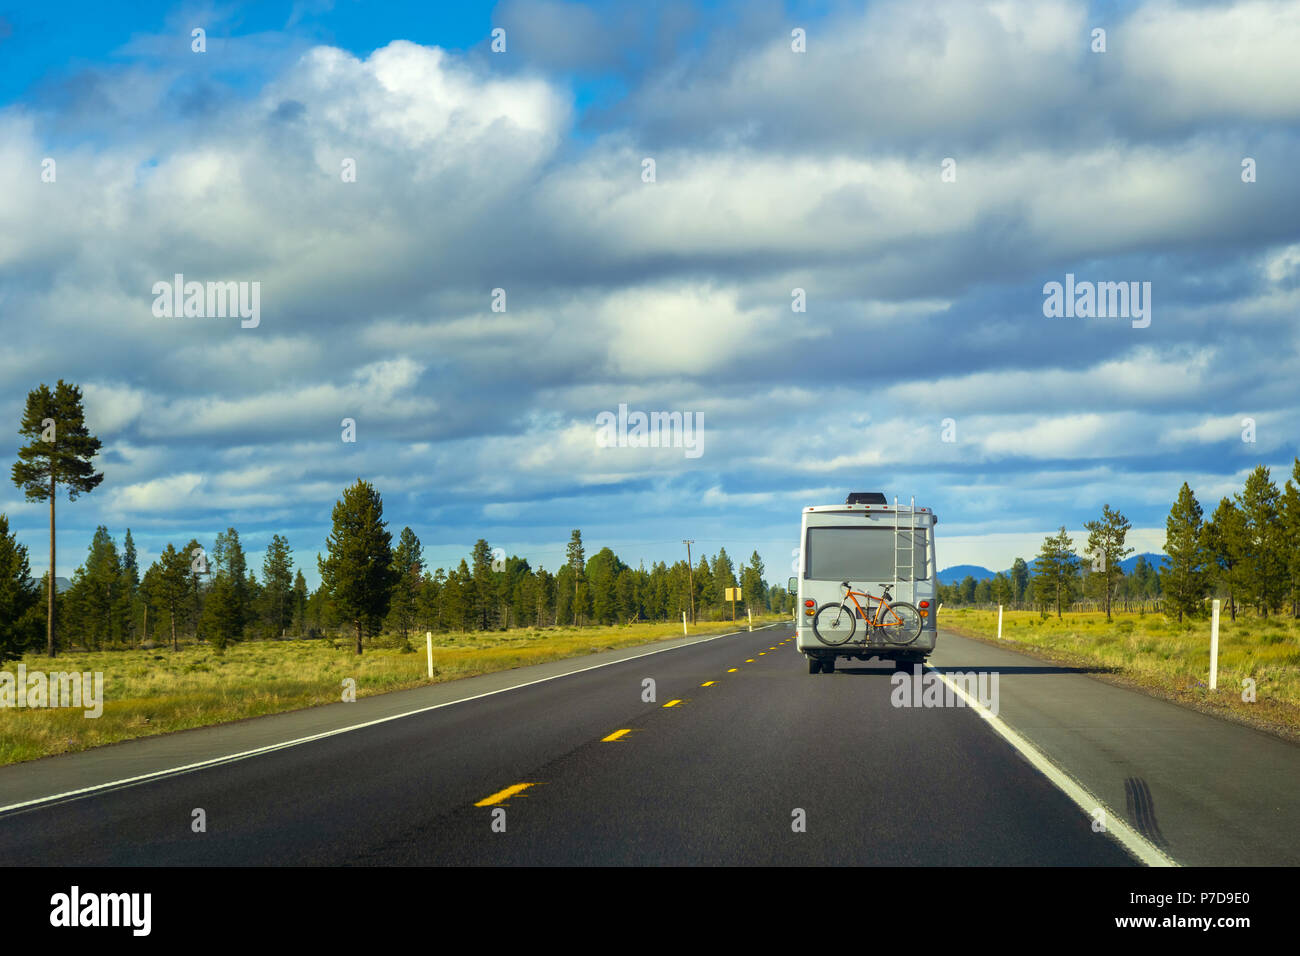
x,y
866,582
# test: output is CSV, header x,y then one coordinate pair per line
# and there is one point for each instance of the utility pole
x,y
691,571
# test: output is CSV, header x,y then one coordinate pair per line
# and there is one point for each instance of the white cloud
x,y
171,494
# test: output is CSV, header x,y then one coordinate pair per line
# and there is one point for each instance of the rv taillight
x,y
809,603
925,604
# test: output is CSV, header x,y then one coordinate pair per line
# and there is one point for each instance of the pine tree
x,y
707,594
483,603
1056,571
171,587
430,601
577,563
20,597
1019,580
1106,547
1185,581
625,600
752,584
130,586
601,575
1002,593
149,599
221,612
358,574
1225,547
1265,558
455,608
59,452
97,591
546,592
277,584
299,604
466,596
228,558
1290,519
724,573
967,592
564,594
197,579
408,563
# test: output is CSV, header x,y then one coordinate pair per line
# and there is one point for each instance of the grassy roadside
x,y
148,692
1165,658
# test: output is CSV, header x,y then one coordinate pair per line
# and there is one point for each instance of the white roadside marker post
x,y
685,633
1214,645
999,622
428,643
751,618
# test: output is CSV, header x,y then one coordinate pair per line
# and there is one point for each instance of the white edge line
x,y
268,748
1134,842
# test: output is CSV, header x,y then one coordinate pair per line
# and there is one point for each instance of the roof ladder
x,y
908,552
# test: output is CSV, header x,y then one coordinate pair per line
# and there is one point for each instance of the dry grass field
x,y
1166,657
155,691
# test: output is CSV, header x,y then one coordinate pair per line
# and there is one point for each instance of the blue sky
x,y
775,170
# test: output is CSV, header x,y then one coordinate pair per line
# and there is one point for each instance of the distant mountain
x,y
957,573
1161,561
61,584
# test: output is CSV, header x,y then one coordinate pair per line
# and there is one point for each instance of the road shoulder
x,y
1203,790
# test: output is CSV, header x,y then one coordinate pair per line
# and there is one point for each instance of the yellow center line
x,y
615,735
749,660
672,703
503,795
762,653
732,670
708,683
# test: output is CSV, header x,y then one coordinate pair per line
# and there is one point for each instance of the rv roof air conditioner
x,y
865,498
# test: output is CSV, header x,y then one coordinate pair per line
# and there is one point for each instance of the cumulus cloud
x,y
775,171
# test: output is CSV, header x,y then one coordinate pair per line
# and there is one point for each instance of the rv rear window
x,y
861,554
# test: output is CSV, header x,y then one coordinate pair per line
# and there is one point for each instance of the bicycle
x,y
835,624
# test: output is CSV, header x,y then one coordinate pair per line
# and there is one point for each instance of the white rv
x,y
875,548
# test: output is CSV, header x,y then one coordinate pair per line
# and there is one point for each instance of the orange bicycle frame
x,y
881,606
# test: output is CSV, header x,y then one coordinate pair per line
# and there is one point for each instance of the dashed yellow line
x,y
708,683
732,670
762,653
615,735
503,795
672,703
749,660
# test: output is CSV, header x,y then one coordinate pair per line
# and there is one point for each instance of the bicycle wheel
x,y
910,628
834,624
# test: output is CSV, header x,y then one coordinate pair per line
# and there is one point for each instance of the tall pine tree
x,y
1185,580
358,573
59,451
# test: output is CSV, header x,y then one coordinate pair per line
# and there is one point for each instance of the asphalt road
x,y
752,745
